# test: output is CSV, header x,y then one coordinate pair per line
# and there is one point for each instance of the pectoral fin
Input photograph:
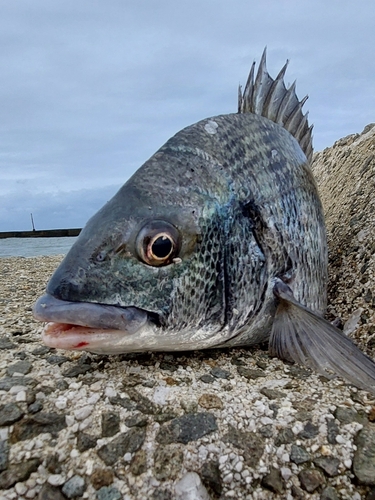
x,y
302,336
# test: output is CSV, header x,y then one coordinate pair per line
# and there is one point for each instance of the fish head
x,y
141,275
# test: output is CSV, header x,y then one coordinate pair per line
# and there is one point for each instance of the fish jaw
x,y
80,338
92,327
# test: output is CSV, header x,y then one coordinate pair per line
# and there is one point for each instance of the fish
x,y
218,240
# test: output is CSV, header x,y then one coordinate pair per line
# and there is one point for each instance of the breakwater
x,y
44,233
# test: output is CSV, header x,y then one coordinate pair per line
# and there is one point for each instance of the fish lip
x,y
90,315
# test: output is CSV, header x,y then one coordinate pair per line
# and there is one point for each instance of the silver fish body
x,y
217,240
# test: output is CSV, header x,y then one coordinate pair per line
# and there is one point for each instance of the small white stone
x,y
16,389
228,478
21,396
74,453
83,412
110,392
348,463
20,488
60,403
96,386
89,467
56,479
93,399
190,487
266,420
239,466
223,459
31,494
69,420
245,473
340,439
286,473
127,457
75,385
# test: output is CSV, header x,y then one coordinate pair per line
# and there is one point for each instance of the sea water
x,y
33,247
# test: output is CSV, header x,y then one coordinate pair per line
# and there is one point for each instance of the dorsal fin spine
x,y
270,98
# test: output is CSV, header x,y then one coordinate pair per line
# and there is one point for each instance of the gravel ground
x,y
201,425
136,426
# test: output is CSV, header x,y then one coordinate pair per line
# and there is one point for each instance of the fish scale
x,y
217,240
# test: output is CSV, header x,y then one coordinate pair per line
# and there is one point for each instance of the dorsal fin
x,y
270,98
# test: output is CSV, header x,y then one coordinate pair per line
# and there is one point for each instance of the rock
x,y
189,427
138,465
364,456
108,493
273,481
4,455
18,473
207,379
348,415
110,424
20,367
41,351
329,493
57,360
35,407
190,487
165,365
10,413
210,401
266,431
49,492
85,441
52,464
7,382
220,373
299,455
210,474
76,370
285,436
34,425
167,462
250,444
101,477
74,487
5,343
160,494
143,404
329,465
311,479
250,374
126,403
309,431
137,420
332,431
128,442
272,393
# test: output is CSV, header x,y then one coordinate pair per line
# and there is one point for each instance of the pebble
x,y
189,427
210,401
21,367
130,442
109,493
364,456
101,477
190,487
167,462
311,479
83,413
10,413
220,373
74,487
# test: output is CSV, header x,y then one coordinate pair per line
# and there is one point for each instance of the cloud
x,y
89,90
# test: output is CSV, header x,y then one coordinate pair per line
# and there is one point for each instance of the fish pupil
x,y
162,247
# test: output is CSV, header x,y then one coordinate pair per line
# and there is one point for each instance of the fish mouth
x,y
88,326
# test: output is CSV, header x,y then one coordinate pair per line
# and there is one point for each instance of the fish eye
x,y
157,243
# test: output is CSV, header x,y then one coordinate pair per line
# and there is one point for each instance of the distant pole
x,y
32,222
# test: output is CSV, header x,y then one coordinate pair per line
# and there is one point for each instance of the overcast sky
x,y
89,90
